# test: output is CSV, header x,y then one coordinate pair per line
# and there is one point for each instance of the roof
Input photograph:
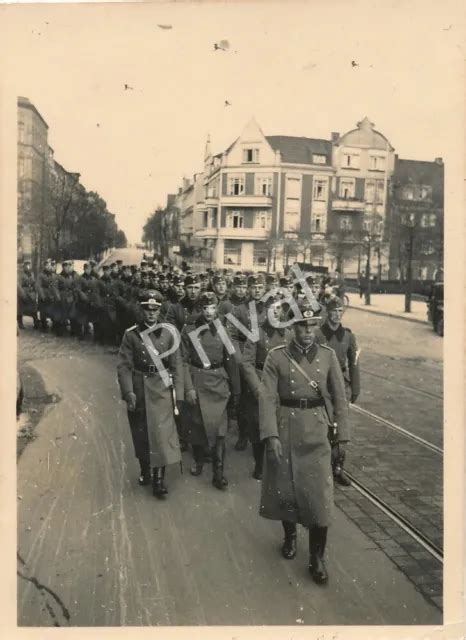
x,y
418,172
299,150
25,103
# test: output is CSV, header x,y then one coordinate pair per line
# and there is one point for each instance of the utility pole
x,y
409,274
367,293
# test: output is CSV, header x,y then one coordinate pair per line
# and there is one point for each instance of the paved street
x,y
96,549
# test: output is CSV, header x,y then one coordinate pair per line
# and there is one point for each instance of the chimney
x,y
335,136
439,161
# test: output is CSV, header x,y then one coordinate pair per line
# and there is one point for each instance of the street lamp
x,y
409,222
371,236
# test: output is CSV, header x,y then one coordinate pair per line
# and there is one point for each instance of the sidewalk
x,y
392,305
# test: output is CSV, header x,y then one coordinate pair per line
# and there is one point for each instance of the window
x,y
370,190
291,221
427,248
251,155
380,191
346,188
259,258
407,193
235,220
206,220
235,186
346,223
350,160
428,220
319,191
425,192
21,132
232,252
319,159
263,220
376,163
21,167
366,225
317,223
264,185
293,188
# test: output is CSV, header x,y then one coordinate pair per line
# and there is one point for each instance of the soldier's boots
x,y
289,547
338,460
145,478
198,453
218,479
158,487
241,443
20,322
36,322
258,452
317,544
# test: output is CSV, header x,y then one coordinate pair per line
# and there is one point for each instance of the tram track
x,y
404,386
416,534
391,425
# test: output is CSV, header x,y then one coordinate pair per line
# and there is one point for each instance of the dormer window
x,y
319,159
350,160
376,163
251,155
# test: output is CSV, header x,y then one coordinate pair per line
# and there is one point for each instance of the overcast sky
x,y
288,65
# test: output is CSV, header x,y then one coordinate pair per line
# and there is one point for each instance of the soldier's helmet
x,y
150,298
207,298
311,313
334,303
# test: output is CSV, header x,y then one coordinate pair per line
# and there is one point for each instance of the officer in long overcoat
x,y
252,364
210,377
66,308
27,296
301,397
149,401
343,341
84,286
108,314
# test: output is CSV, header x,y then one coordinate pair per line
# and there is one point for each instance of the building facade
x,y
34,155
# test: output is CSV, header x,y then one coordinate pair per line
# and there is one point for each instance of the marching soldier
x,y
83,290
256,290
107,315
252,364
66,308
343,342
149,401
27,296
187,309
46,293
209,380
297,487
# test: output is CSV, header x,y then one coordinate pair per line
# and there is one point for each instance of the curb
x,y
388,315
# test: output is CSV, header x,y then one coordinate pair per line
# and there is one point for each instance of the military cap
x,y
270,278
119,262
66,263
92,263
54,262
126,267
143,263
105,267
218,277
85,265
311,312
151,297
113,264
285,281
239,279
179,279
193,279
48,261
208,297
334,303
255,278
163,276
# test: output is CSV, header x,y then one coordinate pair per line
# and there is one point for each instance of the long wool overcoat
x,y
213,380
27,304
152,425
300,487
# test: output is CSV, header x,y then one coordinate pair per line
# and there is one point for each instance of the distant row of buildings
x,y
268,201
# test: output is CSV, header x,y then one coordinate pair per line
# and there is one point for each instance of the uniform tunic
x,y
153,423
84,286
213,384
182,313
343,342
66,308
47,294
300,488
252,364
27,304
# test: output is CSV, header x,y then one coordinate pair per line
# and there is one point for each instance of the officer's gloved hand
x,y
131,401
191,397
354,397
274,449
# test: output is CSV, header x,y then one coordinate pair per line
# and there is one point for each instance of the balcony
x,y
247,201
348,205
211,201
234,233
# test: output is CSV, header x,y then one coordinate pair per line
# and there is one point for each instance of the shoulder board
x,y
131,328
346,329
324,346
280,346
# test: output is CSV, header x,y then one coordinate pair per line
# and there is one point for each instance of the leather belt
x,y
302,403
151,370
260,366
207,367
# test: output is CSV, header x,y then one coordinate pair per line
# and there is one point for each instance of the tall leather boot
x,y
258,452
289,547
145,477
158,487
218,479
198,453
20,322
317,544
